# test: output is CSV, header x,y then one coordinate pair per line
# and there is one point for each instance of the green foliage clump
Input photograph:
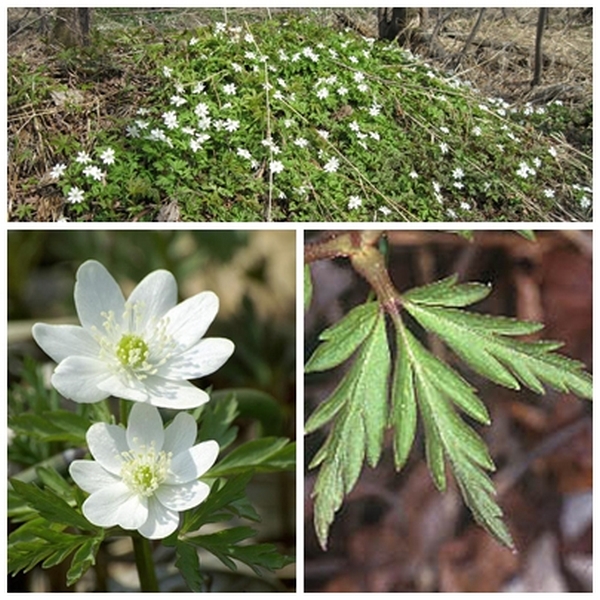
x,y
289,120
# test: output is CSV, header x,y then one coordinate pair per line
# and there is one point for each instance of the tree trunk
x,y
391,22
402,24
461,55
539,57
71,27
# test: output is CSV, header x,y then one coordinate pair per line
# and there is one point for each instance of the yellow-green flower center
x,y
143,472
132,351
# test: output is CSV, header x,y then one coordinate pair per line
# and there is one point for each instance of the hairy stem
x,y
360,247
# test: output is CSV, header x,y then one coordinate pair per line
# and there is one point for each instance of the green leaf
x,y
50,506
307,287
342,340
227,498
257,405
17,509
448,437
188,563
330,407
454,386
482,342
261,556
83,559
403,414
263,455
225,545
447,292
422,383
54,481
58,553
52,426
357,431
43,542
216,418
528,234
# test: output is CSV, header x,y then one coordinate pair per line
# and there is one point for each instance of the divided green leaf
x,y
217,416
342,340
403,415
52,426
188,563
43,542
83,559
54,481
228,546
447,292
422,384
360,407
262,455
50,506
436,388
227,499
484,343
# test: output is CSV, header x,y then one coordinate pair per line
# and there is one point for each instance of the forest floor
x,y
57,96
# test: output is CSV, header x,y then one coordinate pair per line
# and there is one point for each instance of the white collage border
x,y
299,228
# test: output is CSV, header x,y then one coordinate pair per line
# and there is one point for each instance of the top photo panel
x,y
300,115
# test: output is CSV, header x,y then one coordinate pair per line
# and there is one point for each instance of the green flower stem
x,y
123,412
144,564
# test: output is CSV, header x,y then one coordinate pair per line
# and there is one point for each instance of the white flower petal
x,y
90,476
160,523
128,389
180,434
189,320
193,463
61,341
116,505
107,443
179,395
157,293
204,358
145,428
96,292
184,496
80,378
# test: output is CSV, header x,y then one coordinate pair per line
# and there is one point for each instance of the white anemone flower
x,y
143,477
143,349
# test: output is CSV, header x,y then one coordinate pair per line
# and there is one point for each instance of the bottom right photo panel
x,y
448,420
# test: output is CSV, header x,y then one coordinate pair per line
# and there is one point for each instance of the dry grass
x,y
500,61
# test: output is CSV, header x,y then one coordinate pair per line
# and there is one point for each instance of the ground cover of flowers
x,y
288,120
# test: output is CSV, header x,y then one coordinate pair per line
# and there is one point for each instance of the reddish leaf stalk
x,y
360,248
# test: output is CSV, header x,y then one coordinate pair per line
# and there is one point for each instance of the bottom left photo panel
x,y
151,410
